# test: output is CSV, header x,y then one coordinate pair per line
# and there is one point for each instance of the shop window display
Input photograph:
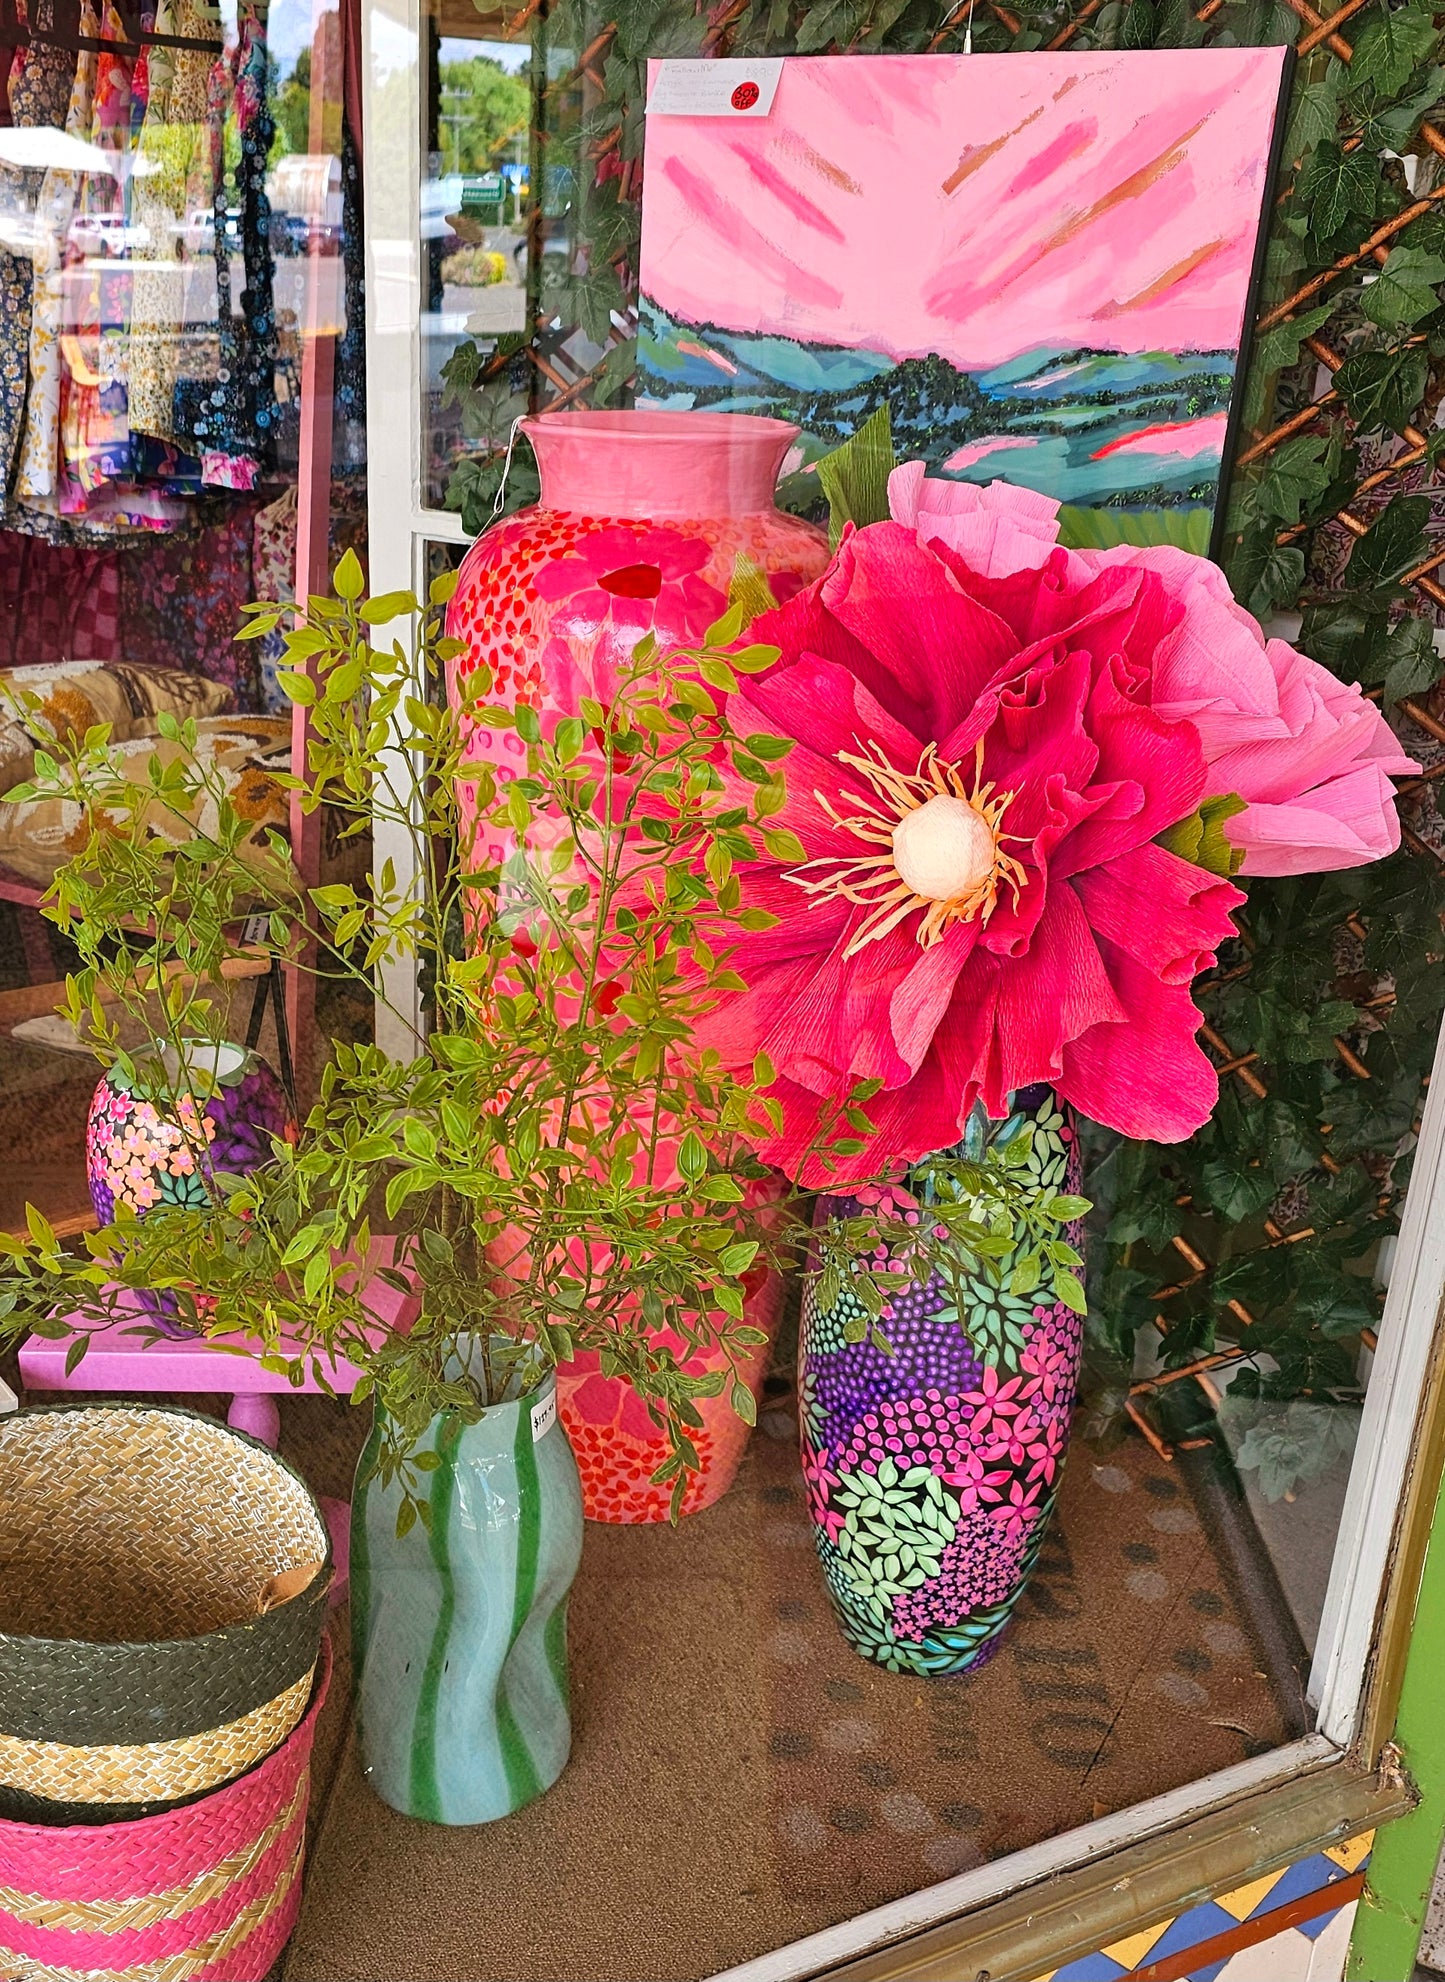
x,y
1188,1607
983,1642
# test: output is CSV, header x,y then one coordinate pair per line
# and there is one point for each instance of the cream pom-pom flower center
x,y
944,849
941,848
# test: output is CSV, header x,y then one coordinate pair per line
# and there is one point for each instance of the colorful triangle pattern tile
x,y
1227,1914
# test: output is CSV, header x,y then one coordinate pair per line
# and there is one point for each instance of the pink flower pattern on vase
x,y
143,1150
931,1469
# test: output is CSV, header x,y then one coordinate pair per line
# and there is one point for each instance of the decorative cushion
x,y
73,695
247,751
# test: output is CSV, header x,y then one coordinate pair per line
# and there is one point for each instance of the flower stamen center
x,y
940,842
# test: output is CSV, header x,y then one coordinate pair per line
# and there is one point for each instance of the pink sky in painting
x,y
979,206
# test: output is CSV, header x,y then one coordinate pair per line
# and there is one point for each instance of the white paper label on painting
x,y
544,1415
725,88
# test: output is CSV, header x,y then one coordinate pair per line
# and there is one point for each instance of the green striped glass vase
x,y
459,1628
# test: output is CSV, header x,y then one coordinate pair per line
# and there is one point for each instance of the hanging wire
x,y
501,495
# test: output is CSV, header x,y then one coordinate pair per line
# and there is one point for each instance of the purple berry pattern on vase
x,y
931,1471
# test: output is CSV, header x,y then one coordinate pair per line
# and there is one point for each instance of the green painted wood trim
x,y
1032,1931
1402,1867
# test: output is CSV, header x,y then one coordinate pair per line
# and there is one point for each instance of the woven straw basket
x,y
137,1666
209,1891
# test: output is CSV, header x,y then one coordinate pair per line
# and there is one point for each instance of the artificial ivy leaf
x,y
1394,541
854,477
1383,388
1281,346
1405,289
1315,113
1235,1189
1390,48
1336,186
1392,127
1296,471
1201,840
1266,575
1413,660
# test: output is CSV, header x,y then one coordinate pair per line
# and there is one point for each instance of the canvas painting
x,y
1042,263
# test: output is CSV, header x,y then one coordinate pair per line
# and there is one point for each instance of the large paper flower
x,y
977,783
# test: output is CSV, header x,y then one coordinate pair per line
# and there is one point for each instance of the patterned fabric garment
x,y
236,412
182,597
39,93
37,479
273,576
56,601
94,425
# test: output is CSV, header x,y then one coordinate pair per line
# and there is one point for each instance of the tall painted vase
x,y
459,1626
932,1471
650,523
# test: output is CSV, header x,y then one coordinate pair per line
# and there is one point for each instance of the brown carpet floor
x,y
740,1778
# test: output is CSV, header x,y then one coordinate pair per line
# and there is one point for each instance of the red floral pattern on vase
x,y
617,1445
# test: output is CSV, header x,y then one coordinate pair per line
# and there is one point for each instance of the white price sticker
x,y
724,88
544,1415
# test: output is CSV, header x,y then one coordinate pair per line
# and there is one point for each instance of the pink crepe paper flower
x,y
1309,755
991,732
977,782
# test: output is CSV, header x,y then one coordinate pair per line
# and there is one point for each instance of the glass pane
x,y
182,427
1236,1286
477,240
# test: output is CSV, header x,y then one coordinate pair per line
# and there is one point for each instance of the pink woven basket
x,y
208,1891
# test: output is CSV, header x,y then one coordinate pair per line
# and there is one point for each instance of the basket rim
x,y
314,1593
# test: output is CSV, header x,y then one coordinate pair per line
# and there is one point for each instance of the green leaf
x,y
783,845
1405,289
1382,389
388,606
349,581
1390,47
1337,185
1295,473
1280,347
1068,1290
296,687
1394,541
854,477
1201,839
691,1157
1413,660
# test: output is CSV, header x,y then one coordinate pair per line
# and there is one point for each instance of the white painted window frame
x,y
401,527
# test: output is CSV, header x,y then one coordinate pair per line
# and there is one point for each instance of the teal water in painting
x,y
459,1628
1077,425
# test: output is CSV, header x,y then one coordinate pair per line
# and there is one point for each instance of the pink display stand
x,y
120,1360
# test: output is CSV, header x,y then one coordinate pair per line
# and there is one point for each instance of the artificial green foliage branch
x,y
554,1168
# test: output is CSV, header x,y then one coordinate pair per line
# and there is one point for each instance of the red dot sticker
x,y
744,96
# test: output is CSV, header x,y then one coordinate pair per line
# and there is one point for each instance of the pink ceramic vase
x,y
646,521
